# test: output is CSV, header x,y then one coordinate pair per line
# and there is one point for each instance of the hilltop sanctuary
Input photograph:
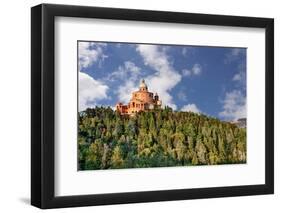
x,y
142,100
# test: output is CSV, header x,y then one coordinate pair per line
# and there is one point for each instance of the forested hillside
x,y
107,140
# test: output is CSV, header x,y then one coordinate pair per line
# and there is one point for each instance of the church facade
x,y
141,100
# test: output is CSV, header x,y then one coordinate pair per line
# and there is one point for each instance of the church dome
x,y
143,84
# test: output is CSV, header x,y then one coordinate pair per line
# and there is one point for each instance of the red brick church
x,y
142,100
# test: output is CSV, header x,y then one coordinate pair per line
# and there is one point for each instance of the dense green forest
x,y
107,140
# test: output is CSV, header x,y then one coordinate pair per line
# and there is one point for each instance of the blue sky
x,y
201,79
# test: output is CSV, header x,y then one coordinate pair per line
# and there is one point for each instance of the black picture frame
x,y
43,102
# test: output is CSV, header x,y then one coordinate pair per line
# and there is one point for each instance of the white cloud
x,y
182,95
129,74
124,92
90,91
132,67
195,70
90,52
236,51
186,72
234,105
191,108
237,77
240,76
234,54
187,51
128,71
165,78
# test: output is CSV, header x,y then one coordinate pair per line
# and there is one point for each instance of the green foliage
x,y
159,138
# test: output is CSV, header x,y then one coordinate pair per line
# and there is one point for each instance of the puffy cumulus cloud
x,y
234,106
237,77
238,55
182,95
127,71
89,53
195,70
186,72
129,75
234,103
236,51
165,77
187,51
124,91
90,91
240,77
234,54
191,108
132,67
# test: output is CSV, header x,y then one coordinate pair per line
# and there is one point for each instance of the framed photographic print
x,y
139,106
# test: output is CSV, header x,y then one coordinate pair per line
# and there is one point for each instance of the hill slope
x,y
158,138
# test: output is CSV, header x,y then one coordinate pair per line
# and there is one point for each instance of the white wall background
x,y
15,105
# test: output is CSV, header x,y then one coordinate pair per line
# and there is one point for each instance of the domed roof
x,y
143,84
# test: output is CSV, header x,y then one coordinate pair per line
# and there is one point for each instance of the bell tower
x,y
156,97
